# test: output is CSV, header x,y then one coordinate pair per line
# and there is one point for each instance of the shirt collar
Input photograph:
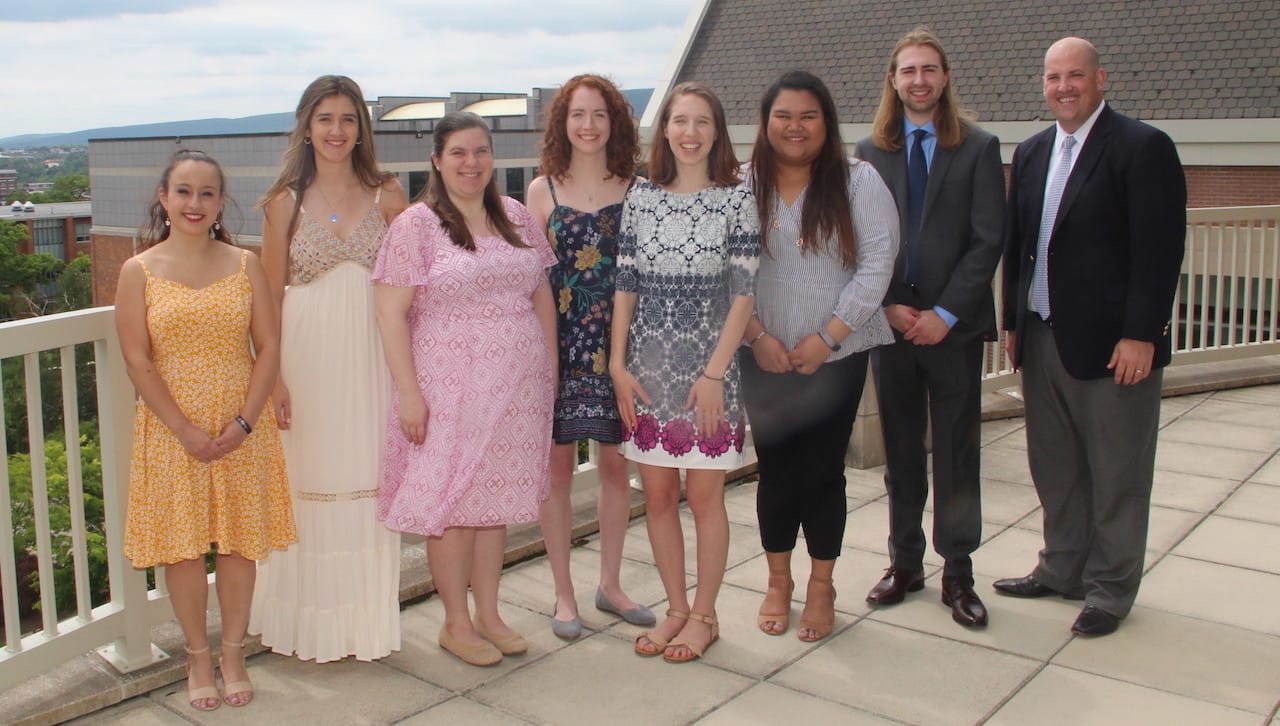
x,y
909,128
1081,133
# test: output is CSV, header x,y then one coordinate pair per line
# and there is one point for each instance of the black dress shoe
x,y
1023,587
1093,621
966,608
894,586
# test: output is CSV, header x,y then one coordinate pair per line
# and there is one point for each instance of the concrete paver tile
x,y
1192,492
885,669
134,712
768,705
740,503
422,657
1011,553
1231,667
1214,592
1003,461
291,691
1167,527
1269,473
1235,412
623,688
1256,502
1005,503
1063,696
867,529
1223,434
1207,460
1173,408
862,486
999,430
461,710
1257,395
1034,628
1242,543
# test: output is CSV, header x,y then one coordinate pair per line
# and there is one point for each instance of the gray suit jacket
x,y
961,230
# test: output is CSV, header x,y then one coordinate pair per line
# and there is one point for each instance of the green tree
x,y
75,285
67,188
21,275
24,530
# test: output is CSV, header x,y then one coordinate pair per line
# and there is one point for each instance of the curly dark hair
x,y
623,147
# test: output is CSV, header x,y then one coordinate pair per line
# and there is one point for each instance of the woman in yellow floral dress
x,y
207,466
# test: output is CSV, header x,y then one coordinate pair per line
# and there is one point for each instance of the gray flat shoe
x,y
565,629
638,615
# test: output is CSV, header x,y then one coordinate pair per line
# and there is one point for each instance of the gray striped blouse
x,y
798,292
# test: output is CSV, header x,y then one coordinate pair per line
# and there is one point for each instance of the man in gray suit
x,y
946,176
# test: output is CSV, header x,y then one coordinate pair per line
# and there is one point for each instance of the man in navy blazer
x,y
1088,293
940,305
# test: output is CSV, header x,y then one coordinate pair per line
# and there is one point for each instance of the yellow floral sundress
x,y
178,505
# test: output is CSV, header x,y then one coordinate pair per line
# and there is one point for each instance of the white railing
x,y
121,627
1227,306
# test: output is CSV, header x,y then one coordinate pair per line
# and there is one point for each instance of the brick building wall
x,y
1232,186
108,252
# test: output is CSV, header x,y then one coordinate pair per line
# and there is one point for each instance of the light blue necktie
x,y
1052,198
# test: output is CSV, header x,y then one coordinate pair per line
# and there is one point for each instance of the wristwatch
x,y
826,338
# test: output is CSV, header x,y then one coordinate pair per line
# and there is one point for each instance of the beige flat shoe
x,y
513,644
477,654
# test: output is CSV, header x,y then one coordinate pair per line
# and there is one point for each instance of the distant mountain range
x,y
264,123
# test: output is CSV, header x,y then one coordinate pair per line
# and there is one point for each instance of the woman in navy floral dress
x,y
588,160
687,257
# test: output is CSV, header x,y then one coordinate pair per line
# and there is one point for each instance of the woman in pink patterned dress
x,y
468,326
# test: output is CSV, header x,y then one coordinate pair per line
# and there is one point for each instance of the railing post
x,y
128,586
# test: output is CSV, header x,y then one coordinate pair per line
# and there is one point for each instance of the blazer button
x,y
1031,258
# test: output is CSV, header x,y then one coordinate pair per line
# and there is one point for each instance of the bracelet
x,y
828,340
759,335
712,378
244,425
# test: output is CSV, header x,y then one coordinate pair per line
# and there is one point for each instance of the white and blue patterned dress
x,y
686,256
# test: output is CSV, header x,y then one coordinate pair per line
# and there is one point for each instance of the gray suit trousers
x,y
1092,446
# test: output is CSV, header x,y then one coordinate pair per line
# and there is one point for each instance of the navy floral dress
x,y
586,247
686,256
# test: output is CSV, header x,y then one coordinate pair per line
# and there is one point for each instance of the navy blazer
x,y
1115,253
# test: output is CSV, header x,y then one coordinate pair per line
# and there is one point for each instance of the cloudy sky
x,y
77,64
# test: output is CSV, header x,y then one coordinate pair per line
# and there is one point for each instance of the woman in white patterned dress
x,y
687,257
336,592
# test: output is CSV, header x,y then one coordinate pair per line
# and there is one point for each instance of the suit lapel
x,y
1036,175
1090,153
937,177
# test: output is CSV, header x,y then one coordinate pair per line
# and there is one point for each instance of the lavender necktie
x,y
1052,198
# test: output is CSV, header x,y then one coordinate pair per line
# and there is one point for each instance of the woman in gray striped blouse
x,y
830,238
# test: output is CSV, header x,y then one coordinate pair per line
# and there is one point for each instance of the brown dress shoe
x,y
966,608
894,586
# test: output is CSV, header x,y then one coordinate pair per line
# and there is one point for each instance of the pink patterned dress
x,y
482,365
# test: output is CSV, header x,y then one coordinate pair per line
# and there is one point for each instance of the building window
x,y
515,184
47,236
82,231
